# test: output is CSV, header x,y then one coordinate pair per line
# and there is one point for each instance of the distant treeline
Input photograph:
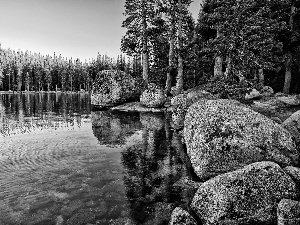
x,y
26,71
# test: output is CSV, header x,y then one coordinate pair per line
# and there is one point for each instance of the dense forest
x,y
26,71
233,44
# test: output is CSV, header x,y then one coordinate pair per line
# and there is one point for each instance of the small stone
x,y
267,91
181,217
254,94
288,212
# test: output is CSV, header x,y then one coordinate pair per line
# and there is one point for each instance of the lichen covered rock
x,y
153,96
181,217
223,135
112,87
246,196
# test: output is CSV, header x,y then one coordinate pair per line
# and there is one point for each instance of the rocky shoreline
x,y
247,155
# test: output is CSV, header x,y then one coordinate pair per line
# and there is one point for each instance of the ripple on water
x,y
46,175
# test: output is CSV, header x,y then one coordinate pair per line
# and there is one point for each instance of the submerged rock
x,y
153,96
223,135
246,196
112,87
181,217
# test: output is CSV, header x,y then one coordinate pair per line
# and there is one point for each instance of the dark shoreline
x,y
44,92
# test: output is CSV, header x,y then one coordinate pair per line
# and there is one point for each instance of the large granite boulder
x,y
246,196
153,96
180,104
224,135
292,124
112,87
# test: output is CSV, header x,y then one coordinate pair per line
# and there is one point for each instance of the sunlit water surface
x,y
60,163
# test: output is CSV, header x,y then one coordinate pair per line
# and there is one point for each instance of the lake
x,y
61,163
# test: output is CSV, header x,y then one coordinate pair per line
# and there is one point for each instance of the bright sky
x,y
72,28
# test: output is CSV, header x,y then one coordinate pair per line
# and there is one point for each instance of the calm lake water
x,y
61,163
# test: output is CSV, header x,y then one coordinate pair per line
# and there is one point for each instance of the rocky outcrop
x,y
181,217
246,196
292,124
223,135
112,87
153,96
288,212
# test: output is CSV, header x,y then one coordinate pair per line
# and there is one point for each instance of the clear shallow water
x,y
60,163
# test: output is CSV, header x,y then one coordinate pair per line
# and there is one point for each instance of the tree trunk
x,y
171,57
144,40
218,72
289,59
228,67
261,76
288,72
179,80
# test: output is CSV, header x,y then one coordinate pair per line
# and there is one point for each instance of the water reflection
x,y
153,172
85,167
113,128
35,112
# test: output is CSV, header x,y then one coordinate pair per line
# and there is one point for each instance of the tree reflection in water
x,y
154,172
112,128
34,112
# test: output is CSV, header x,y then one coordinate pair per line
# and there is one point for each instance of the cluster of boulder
x,y
247,156
249,165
